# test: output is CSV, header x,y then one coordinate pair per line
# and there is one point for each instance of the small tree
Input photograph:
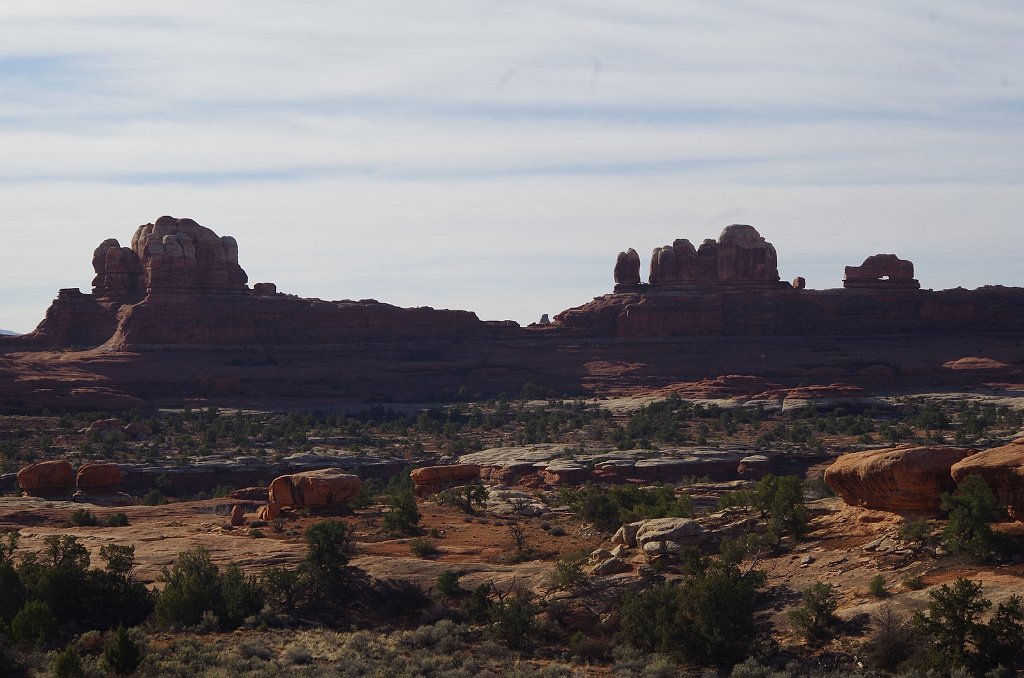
x,y
891,641
34,623
816,614
518,535
122,655
404,515
285,588
329,546
877,587
448,584
192,586
971,510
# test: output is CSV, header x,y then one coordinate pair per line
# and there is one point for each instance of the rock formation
x,y
170,255
907,478
1002,468
740,255
314,489
627,270
881,271
433,479
98,476
47,477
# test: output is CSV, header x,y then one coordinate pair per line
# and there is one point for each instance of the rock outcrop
x,y
170,255
740,255
98,476
902,479
881,271
1002,468
627,270
433,479
314,489
47,477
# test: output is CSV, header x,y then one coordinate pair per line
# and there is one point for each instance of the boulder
x,y
1002,468
565,473
137,430
610,566
314,489
271,511
683,531
102,425
249,493
433,479
98,476
47,476
907,478
627,534
237,515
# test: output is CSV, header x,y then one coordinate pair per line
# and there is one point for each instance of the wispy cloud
x,y
471,154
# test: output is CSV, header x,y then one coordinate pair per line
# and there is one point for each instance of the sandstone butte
x,y
172,316
902,479
1002,468
314,489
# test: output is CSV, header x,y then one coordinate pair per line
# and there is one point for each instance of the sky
x,y
495,156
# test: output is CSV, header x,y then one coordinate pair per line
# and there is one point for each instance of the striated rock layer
x,y
1002,468
907,478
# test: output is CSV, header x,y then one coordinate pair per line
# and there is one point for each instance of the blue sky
x,y
496,156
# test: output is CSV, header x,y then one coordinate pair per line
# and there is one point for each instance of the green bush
x,y
816,615
192,586
971,510
122,655
34,623
82,518
569,570
423,548
467,498
707,618
513,621
891,641
877,587
608,508
329,547
12,593
117,520
67,663
779,500
447,584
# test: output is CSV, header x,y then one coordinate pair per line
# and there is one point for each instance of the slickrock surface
x,y
901,479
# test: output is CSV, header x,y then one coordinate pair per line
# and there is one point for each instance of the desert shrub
x,y
82,518
242,594
971,510
34,623
447,584
608,508
513,621
707,618
369,493
877,588
285,589
423,548
404,516
123,654
958,636
119,519
569,570
913,582
816,615
914,530
891,641
114,596
153,498
67,663
298,654
779,500
557,531
57,575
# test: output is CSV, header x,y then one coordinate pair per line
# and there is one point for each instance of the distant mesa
x,y
8,333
